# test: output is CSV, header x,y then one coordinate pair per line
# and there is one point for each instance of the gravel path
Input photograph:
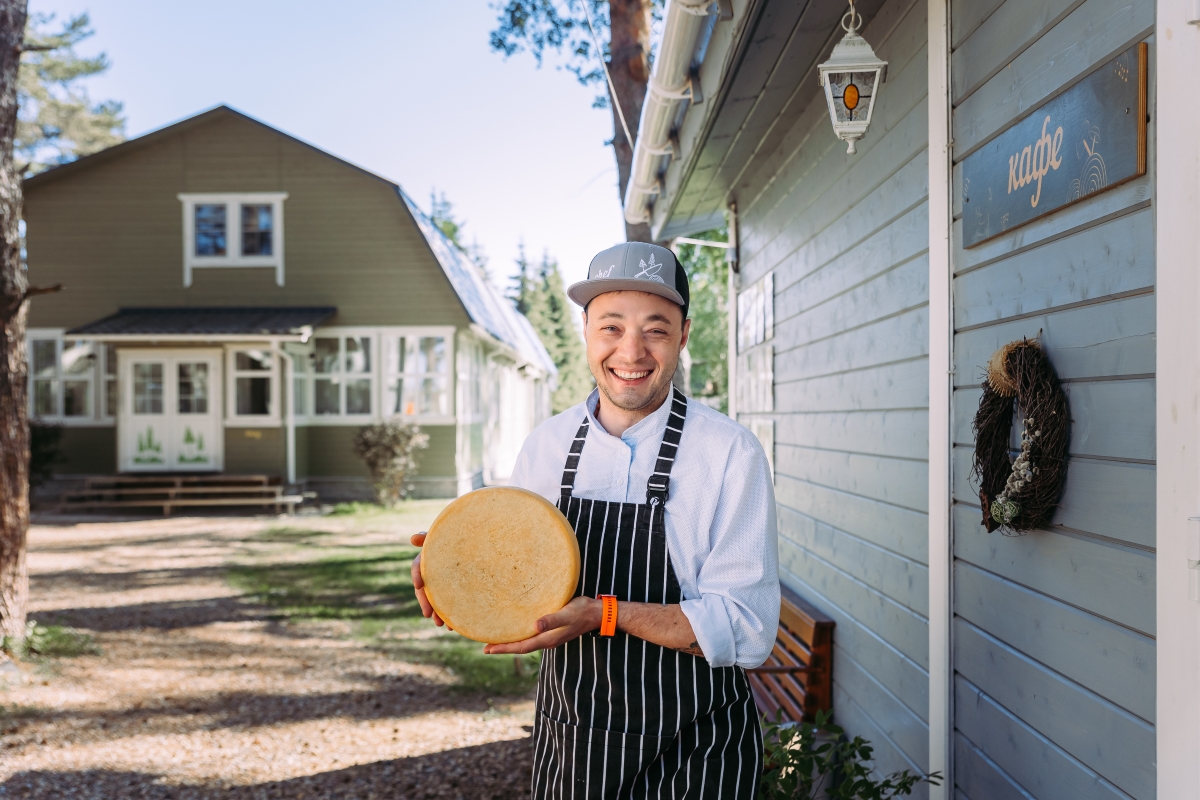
x,y
199,693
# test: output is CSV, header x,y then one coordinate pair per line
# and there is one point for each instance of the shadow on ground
x,y
389,697
495,771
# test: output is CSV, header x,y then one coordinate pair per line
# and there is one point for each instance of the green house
x,y
238,301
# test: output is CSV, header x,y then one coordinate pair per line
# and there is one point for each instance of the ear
x,y
687,329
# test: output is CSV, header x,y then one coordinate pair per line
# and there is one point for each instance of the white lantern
x,y
851,78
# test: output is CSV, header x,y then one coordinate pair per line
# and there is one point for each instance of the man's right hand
x,y
418,539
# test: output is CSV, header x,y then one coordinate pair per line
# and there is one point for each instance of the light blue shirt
x,y
720,516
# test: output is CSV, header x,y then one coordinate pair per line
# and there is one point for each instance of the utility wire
x,y
612,89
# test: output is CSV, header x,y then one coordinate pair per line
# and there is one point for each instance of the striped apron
x,y
620,717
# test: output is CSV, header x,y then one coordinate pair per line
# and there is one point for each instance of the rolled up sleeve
x,y
736,616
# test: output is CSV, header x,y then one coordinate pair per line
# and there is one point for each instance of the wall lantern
x,y
851,78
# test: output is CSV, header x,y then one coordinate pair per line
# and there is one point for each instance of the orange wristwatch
x,y
608,616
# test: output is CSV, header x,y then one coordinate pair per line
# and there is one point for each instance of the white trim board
x,y
1176,51
941,361
233,232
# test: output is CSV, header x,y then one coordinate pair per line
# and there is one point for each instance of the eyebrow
x,y
619,315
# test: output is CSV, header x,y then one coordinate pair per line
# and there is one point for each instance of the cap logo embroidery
x,y
650,271
604,273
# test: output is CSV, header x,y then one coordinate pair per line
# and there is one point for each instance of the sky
x,y
408,89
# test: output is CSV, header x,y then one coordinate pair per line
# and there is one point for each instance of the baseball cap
x,y
637,267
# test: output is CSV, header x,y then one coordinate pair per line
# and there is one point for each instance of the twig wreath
x,y
1020,495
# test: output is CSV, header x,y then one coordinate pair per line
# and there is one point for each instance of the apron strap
x,y
568,478
659,485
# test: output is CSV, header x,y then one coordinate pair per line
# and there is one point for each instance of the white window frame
x,y
232,418
387,374
233,232
378,337
94,376
342,418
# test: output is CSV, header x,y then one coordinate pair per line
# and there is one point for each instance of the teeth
x,y
630,376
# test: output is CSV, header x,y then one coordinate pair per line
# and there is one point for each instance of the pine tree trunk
x,y
14,416
630,69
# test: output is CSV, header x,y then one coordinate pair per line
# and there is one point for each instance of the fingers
x,y
575,618
417,539
540,642
418,581
577,613
419,590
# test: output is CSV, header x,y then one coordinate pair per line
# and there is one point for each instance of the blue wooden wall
x,y
1053,632
847,239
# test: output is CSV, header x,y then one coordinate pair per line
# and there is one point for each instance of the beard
x,y
632,400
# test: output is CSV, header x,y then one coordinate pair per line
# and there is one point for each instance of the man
x,y
674,509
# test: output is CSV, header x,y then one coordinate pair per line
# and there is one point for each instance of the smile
x,y
630,376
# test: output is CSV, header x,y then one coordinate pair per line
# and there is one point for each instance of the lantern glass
x,y
852,94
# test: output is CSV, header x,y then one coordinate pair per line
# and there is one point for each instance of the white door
x,y
170,418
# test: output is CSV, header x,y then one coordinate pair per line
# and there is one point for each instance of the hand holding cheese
x,y
418,539
494,562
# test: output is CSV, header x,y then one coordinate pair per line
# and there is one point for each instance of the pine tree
x,y
545,25
558,315
57,121
441,214
524,284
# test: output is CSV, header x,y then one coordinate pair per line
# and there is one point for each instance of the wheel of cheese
x,y
497,559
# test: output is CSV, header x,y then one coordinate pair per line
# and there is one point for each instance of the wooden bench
x,y
797,677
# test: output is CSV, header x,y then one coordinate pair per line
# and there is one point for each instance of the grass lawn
x,y
354,566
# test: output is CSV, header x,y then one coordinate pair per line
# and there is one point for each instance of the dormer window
x,y
256,230
210,229
233,230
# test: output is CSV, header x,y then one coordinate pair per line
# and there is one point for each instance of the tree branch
x,y
28,47
33,291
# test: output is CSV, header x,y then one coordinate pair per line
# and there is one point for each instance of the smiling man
x,y
642,691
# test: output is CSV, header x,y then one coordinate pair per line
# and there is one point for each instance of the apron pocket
x,y
594,762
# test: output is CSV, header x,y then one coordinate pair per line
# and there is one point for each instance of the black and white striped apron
x,y
620,717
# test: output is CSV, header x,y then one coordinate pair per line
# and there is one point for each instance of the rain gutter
x,y
687,27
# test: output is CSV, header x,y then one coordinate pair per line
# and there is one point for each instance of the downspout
x,y
731,314
287,392
671,82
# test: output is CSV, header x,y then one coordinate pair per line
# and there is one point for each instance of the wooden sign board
x,y
1090,138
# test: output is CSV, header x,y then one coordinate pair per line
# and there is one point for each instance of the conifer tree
x,y
558,321
57,121
538,293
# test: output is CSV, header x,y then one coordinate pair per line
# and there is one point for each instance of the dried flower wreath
x,y
1020,495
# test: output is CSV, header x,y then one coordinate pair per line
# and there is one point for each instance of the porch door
x,y
170,418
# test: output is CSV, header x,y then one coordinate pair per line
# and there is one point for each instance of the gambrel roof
x,y
484,304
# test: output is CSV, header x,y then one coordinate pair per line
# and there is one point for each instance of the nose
x,y
631,349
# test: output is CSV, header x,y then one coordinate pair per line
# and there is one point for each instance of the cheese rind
x,y
497,559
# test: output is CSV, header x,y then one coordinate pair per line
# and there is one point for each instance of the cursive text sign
x,y
1090,138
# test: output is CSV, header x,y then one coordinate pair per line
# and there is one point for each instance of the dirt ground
x,y
199,691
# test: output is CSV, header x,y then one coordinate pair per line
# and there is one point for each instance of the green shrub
x,y
807,761
389,450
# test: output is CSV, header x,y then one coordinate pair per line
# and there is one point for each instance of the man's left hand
x,y
576,618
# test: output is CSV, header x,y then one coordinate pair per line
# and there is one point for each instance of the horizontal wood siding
x,y
255,451
846,238
120,217
1053,636
329,452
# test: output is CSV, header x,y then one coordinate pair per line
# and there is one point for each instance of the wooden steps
x,y
179,491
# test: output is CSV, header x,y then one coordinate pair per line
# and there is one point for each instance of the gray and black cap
x,y
636,267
